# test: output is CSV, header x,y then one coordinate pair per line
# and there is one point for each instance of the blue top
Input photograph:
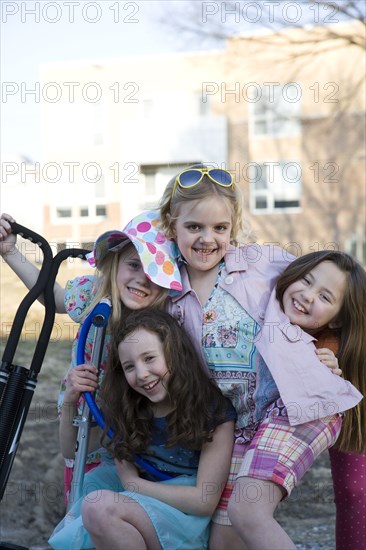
x,y
176,460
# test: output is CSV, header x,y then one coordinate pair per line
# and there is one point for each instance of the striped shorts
x,y
279,453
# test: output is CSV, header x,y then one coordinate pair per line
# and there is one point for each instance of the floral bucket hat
x,y
157,253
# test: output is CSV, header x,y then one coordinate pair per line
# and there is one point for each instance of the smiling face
x,y
135,289
202,232
143,362
314,301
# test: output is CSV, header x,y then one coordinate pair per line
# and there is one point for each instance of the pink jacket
x,y
307,387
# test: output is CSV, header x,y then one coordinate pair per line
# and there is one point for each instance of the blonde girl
x,y
256,356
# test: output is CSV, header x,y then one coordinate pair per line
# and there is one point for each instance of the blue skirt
x,y
174,529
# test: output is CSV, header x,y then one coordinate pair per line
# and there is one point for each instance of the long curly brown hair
x,y
352,340
197,403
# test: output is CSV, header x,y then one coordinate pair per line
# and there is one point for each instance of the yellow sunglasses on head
x,y
193,176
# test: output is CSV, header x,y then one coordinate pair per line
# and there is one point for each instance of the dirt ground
x,y
33,501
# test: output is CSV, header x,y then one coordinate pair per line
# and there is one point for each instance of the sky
x,y
37,32
34,33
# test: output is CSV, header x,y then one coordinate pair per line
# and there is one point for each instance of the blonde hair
x,y
106,285
169,205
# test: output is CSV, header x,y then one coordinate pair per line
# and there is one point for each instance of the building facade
x,y
287,117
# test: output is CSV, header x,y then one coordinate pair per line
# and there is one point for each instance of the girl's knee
x,y
233,512
253,499
96,508
224,536
240,512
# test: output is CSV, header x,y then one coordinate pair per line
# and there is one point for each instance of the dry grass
x,y
12,291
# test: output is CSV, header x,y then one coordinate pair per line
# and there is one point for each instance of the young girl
x,y
228,307
307,291
162,407
136,268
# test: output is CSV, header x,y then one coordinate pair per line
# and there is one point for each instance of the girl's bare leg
x,y
225,536
117,522
251,508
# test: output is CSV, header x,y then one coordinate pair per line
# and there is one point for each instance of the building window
x,y
155,179
100,188
148,108
183,105
84,212
150,183
275,110
101,211
63,212
356,247
97,122
203,107
275,186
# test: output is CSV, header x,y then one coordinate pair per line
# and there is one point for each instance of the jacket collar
x,y
236,259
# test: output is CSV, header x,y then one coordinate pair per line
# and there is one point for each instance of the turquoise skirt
x,y
174,529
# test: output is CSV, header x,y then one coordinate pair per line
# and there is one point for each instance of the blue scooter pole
x,y
97,413
99,319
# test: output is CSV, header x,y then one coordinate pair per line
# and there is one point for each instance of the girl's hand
x,y
128,473
80,379
7,237
327,357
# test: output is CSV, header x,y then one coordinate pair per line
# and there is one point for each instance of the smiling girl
x,y
162,407
135,269
324,293
287,401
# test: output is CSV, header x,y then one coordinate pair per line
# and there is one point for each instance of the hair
x,y
169,205
106,285
352,335
197,403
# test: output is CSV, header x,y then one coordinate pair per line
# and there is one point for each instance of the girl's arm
x,y
23,268
80,379
213,470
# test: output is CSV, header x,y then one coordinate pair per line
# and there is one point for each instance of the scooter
x,y
18,383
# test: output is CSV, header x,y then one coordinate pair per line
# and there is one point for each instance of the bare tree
x,y
297,34
210,23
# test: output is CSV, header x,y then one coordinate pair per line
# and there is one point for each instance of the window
x,y
184,105
63,212
100,188
84,212
155,179
148,108
275,186
356,247
150,182
275,110
97,114
101,210
203,107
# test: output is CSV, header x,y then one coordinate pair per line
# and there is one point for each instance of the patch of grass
x,y
12,292
58,354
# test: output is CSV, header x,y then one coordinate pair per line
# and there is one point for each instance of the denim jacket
x,y
307,387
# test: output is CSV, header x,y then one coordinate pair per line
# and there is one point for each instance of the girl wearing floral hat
x,y
135,269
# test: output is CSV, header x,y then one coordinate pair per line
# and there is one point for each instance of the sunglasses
x,y
192,177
